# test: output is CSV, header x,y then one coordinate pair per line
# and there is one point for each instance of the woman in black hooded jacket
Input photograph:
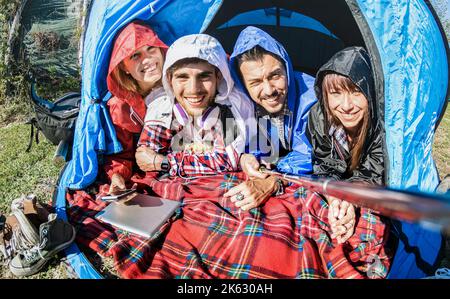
x,y
345,132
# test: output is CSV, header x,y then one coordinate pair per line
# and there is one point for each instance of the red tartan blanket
x,y
288,237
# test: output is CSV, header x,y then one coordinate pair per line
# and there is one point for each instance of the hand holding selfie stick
x,y
430,210
120,195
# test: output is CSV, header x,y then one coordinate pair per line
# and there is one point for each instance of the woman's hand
x,y
117,184
147,159
250,166
341,216
252,193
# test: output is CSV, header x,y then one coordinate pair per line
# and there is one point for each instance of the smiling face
x,y
266,82
345,101
195,85
145,66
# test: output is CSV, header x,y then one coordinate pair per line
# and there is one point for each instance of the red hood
x,y
131,38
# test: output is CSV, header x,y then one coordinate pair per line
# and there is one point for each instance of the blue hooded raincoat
x,y
300,98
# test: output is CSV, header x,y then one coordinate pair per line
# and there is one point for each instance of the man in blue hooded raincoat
x,y
261,67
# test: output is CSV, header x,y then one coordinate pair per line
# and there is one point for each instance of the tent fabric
x,y
94,132
416,74
105,20
415,66
402,36
274,16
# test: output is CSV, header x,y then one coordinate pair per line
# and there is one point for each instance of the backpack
x,y
56,120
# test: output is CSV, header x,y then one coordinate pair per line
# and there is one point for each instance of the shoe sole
x,y
19,272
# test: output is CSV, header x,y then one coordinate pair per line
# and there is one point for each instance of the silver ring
x,y
239,196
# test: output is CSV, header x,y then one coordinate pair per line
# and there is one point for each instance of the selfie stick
x,y
430,210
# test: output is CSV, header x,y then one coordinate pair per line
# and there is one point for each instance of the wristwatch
x,y
280,187
165,165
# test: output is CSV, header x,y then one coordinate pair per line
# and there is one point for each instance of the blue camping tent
x,y
411,65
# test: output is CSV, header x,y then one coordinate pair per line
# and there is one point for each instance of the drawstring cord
x,y
136,116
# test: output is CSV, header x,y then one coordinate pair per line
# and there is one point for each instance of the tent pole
x,y
278,16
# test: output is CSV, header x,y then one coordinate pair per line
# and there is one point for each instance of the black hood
x,y
354,63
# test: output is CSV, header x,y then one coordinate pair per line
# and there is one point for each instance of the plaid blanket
x,y
288,237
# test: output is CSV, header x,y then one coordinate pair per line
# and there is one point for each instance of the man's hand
x,y
253,193
341,216
117,184
147,159
444,185
250,166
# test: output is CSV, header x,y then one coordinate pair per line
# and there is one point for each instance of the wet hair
x,y
126,81
333,81
186,61
254,54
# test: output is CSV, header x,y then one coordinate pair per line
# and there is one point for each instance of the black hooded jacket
x,y
353,63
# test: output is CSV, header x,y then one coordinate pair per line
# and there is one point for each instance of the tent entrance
x,y
310,33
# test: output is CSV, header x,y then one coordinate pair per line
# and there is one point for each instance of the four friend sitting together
x,y
187,110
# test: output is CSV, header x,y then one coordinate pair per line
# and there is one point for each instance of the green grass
x,y
441,146
24,173
441,154
14,111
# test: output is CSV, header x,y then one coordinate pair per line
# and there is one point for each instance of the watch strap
x,y
165,165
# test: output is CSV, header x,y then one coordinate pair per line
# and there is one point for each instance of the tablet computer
x,y
139,213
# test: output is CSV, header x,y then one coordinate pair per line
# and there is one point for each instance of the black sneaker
x,y
54,236
19,232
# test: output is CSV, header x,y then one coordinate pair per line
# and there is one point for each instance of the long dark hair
x,y
335,81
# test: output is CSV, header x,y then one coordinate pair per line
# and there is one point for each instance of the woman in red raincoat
x,y
134,70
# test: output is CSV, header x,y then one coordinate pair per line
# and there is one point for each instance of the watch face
x,y
165,166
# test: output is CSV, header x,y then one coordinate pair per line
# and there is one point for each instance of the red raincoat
x,y
127,109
